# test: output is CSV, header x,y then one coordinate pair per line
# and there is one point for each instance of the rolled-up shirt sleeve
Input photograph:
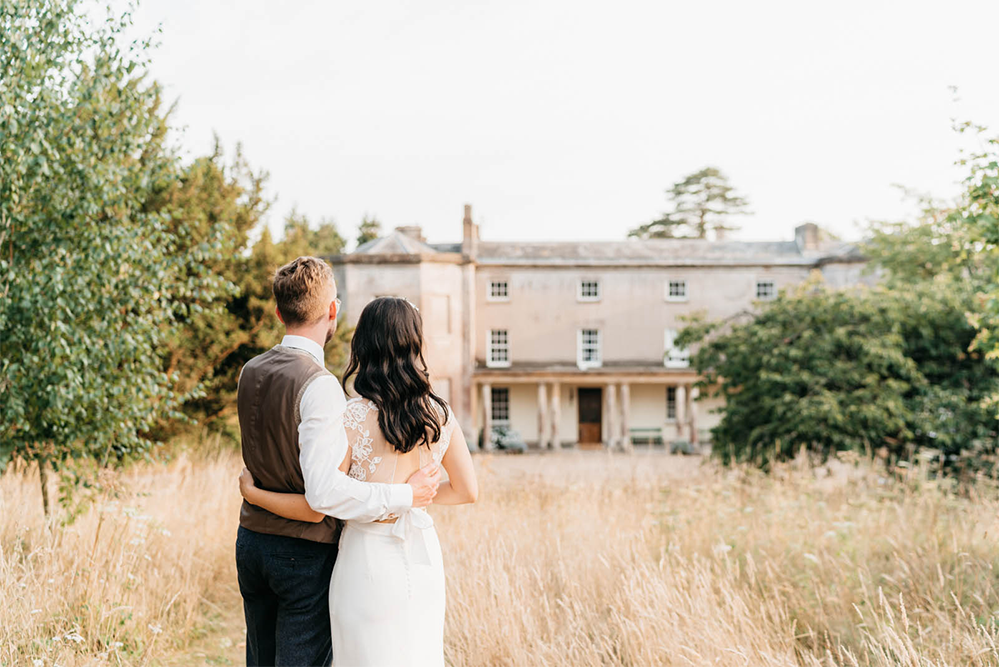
x,y
322,448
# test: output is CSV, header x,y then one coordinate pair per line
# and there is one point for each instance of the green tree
x,y
369,230
222,202
301,239
927,248
209,350
977,216
253,311
702,202
91,279
829,370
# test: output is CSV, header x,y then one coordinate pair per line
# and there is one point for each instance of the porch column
x,y
681,413
487,417
694,393
612,428
604,402
468,425
542,415
556,413
626,417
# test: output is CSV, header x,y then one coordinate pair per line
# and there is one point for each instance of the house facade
x,y
573,343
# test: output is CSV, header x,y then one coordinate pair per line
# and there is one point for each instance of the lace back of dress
x,y
373,459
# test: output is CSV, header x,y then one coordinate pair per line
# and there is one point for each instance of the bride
x,y
387,592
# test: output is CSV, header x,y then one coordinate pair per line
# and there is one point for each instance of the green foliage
x,y
301,239
881,369
977,213
92,279
369,230
907,252
214,345
214,341
702,202
910,365
214,202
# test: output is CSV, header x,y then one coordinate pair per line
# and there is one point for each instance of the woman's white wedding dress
x,y
387,594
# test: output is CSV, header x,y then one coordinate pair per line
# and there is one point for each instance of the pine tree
x,y
702,202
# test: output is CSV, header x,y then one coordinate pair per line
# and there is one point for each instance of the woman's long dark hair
x,y
386,354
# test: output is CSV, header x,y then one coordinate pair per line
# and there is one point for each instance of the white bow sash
x,y
409,528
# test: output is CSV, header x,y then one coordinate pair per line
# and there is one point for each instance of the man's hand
x,y
425,482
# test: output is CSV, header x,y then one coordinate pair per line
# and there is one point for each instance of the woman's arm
x,y
461,486
289,505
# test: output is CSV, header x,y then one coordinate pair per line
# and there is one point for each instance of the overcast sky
x,y
566,119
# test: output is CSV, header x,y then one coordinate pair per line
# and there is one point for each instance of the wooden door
x,y
591,403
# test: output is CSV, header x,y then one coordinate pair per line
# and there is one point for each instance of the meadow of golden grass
x,y
582,558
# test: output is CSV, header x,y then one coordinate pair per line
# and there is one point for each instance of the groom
x,y
291,412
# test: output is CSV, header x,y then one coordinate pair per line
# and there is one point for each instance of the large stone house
x,y
572,342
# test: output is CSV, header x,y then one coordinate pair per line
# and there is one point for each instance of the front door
x,y
590,412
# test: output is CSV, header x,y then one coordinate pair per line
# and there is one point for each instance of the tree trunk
x,y
43,476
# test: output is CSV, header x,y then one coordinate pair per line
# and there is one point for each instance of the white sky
x,y
566,119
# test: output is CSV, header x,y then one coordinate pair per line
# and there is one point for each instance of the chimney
x,y
807,237
414,232
470,234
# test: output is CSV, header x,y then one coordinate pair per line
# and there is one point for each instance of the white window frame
x,y
493,403
497,363
579,290
489,291
589,363
671,418
675,299
756,289
674,357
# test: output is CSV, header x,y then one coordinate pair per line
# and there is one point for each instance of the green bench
x,y
646,436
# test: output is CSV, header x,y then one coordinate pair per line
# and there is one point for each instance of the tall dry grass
x,y
574,559
136,577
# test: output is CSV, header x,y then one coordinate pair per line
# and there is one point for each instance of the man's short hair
x,y
302,289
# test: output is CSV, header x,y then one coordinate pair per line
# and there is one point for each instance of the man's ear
x,y
333,312
277,311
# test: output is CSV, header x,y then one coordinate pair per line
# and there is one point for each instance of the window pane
x,y
500,404
499,345
589,345
675,357
670,402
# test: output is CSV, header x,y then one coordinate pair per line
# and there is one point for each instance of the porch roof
x,y
621,371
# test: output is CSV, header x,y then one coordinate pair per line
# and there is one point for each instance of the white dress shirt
x,y
323,446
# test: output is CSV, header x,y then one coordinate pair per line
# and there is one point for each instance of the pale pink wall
x,y
543,313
